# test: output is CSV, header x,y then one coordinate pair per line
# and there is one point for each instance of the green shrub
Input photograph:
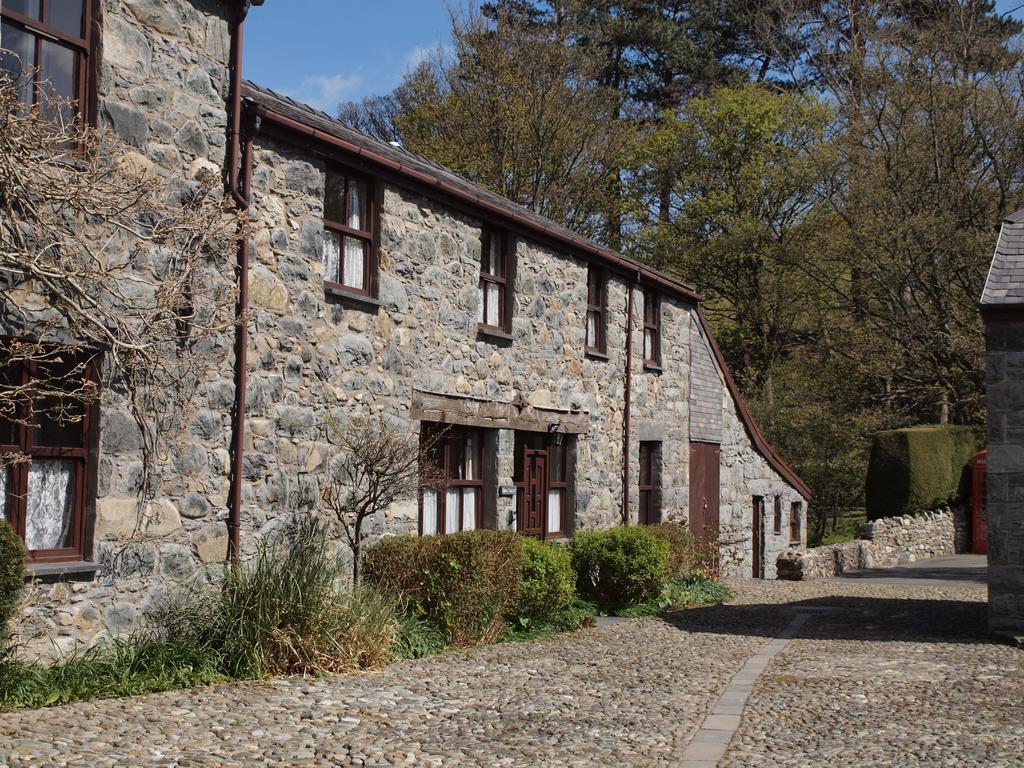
x,y
123,667
917,469
464,584
286,611
549,582
686,553
12,579
619,566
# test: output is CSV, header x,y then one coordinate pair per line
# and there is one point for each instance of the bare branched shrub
x,y
110,266
378,466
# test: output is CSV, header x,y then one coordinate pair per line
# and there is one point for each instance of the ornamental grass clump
x,y
286,611
619,567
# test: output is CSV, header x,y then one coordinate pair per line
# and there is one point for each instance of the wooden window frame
x,y
80,45
558,480
504,281
599,310
778,516
795,511
84,458
652,324
446,448
648,485
369,237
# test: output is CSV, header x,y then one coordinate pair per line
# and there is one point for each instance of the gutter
x,y
241,194
477,202
628,406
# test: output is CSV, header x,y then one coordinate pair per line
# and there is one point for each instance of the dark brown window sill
x,y
338,291
652,367
493,333
78,570
596,354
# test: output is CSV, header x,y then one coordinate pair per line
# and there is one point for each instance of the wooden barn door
x,y
704,490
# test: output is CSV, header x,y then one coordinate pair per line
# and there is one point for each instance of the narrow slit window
x,y
652,329
649,512
493,290
778,515
596,290
349,247
795,513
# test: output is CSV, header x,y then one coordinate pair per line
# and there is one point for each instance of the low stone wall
x,y
882,543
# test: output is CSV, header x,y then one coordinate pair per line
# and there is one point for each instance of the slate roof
x,y
406,163
1005,282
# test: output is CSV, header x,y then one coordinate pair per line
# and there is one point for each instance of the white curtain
x,y
470,448
480,303
649,345
332,254
354,256
48,517
468,509
356,204
3,493
493,292
451,511
429,513
591,329
555,509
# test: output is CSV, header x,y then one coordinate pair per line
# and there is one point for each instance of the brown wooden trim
x,y
997,312
753,430
369,237
652,323
600,309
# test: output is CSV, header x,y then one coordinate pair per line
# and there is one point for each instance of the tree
x,y
105,264
378,465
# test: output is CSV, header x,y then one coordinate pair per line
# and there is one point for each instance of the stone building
x,y
1002,308
578,388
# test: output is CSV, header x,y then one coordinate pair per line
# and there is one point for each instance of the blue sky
x,y
323,52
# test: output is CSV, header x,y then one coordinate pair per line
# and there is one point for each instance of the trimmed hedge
x,y
549,582
620,566
12,579
917,469
464,584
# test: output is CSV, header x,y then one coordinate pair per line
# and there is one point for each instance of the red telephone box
x,y
979,495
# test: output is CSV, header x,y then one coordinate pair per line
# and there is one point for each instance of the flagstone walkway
x,y
832,673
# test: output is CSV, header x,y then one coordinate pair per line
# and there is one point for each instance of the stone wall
x,y
314,357
1005,509
883,543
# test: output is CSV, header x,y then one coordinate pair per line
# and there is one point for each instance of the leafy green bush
x,y
288,610
686,553
464,584
619,566
549,582
917,469
123,667
12,579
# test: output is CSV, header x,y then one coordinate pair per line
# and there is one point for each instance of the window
x,y
44,498
494,298
649,512
652,329
795,510
48,38
454,503
595,311
778,514
557,489
349,223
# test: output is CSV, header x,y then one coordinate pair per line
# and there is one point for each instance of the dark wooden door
x,y
535,493
704,490
758,538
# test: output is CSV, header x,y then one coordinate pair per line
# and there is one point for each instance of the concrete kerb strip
x,y
714,735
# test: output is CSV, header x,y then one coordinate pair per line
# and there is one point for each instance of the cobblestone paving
x,y
906,683
884,681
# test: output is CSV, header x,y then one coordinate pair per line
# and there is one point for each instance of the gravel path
x,y
882,681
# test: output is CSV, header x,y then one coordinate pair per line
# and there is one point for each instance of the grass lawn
x,y
845,528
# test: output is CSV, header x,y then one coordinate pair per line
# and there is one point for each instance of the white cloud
x,y
326,92
422,53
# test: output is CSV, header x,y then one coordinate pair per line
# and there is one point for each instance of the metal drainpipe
x,y
241,195
629,399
